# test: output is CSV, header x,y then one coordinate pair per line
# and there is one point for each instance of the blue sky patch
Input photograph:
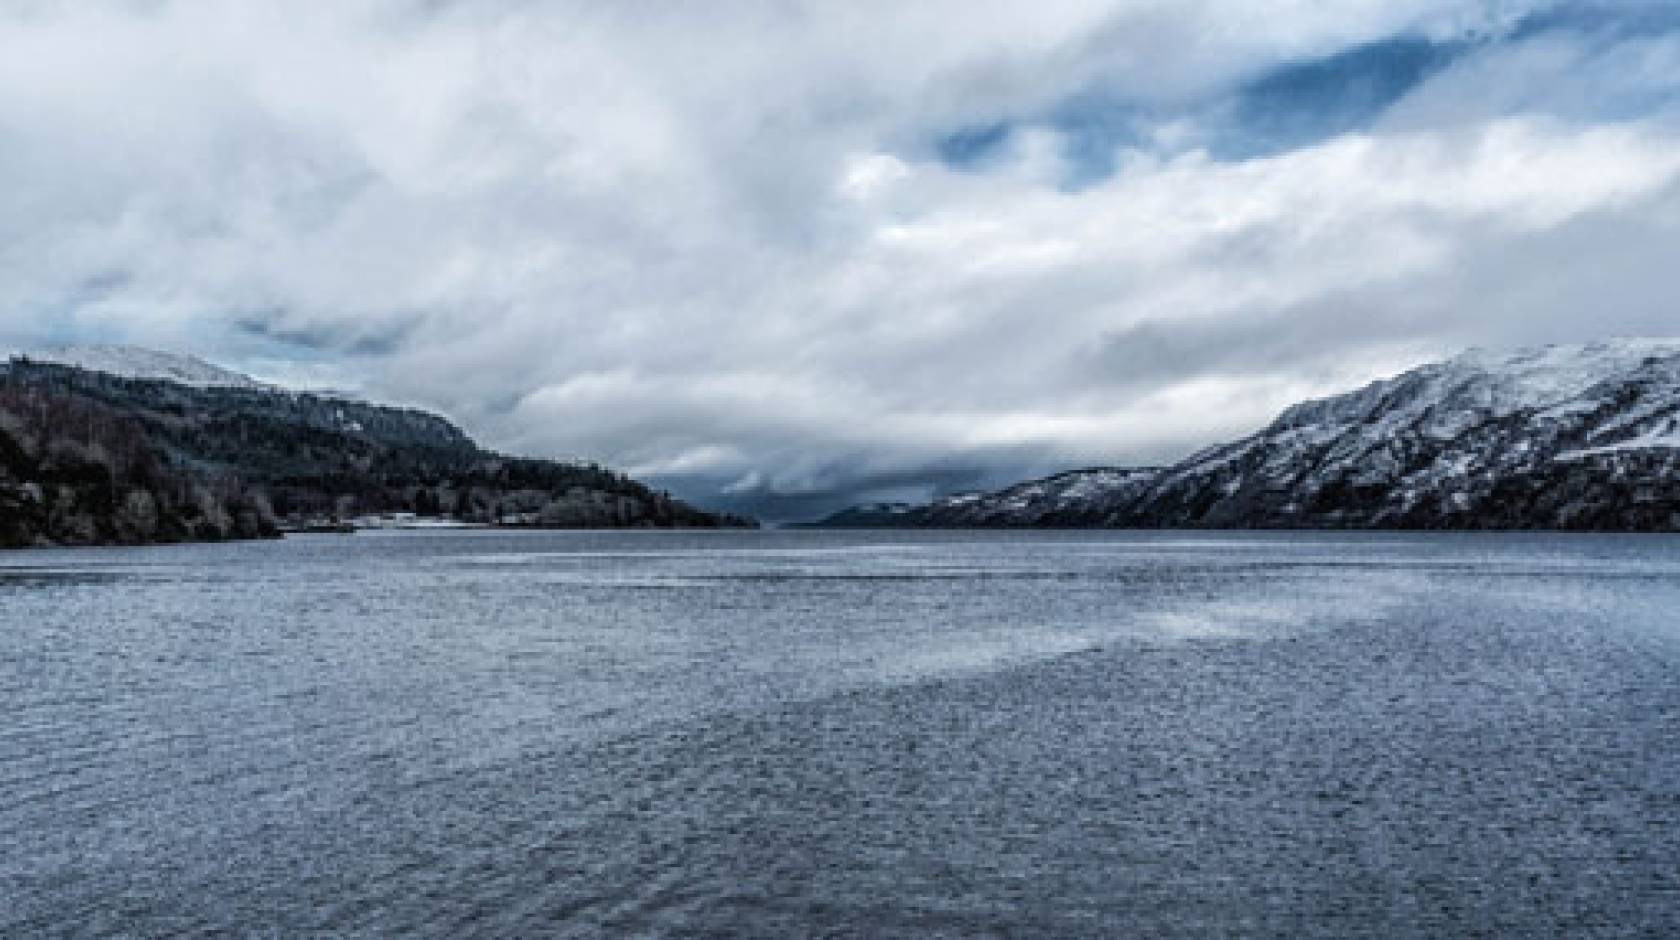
x,y
1306,102
1290,106
970,147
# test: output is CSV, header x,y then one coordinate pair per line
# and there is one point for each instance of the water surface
x,y
848,734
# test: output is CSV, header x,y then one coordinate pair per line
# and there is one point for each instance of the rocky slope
x,y
91,457
1576,437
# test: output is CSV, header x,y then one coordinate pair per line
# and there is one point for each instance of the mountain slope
x,y
90,457
1076,498
1558,438
1568,437
891,515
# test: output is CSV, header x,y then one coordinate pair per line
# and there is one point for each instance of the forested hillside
x,y
94,458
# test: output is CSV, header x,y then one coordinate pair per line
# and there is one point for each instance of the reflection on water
x,y
866,734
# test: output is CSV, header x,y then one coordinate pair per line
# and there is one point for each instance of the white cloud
x,y
867,175
712,242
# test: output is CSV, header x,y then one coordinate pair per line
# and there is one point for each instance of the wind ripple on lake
x,y
870,734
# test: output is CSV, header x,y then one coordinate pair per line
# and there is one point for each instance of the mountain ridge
x,y
1559,437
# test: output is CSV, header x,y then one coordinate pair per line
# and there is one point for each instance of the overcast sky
x,y
780,256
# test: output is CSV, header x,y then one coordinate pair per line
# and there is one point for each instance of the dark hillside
x,y
93,458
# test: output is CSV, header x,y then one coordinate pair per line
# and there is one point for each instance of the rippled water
x,y
854,734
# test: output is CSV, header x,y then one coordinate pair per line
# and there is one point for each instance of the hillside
x,y
90,457
1567,437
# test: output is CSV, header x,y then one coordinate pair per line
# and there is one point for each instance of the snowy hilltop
x,y
1562,437
134,362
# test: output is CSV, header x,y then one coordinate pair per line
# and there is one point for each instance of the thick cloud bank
x,y
783,256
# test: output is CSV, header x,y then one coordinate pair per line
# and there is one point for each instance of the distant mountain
x,y
1076,498
180,450
872,516
1564,437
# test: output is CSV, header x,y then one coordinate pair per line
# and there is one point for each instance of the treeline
x,y
76,472
91,458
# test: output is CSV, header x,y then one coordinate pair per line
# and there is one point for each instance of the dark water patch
x,y
27,578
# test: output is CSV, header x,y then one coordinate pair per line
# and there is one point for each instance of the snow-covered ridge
x,y
1493,382
1573,437
1071,498
1543,387
134,362
1552,437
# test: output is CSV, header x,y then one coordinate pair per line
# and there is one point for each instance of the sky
x,y
780,257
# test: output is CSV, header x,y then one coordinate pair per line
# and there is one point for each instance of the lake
x,y
868,734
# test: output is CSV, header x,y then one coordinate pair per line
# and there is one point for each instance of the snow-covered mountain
x,y
1078,497
1565,437
134,362
1560,437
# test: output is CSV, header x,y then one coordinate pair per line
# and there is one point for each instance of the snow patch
x,y
1656,440
134,362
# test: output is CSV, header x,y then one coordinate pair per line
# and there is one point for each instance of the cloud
x,y
780,256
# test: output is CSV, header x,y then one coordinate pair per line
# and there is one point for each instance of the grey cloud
x,y
351,338
923,482
713,242
1557,285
